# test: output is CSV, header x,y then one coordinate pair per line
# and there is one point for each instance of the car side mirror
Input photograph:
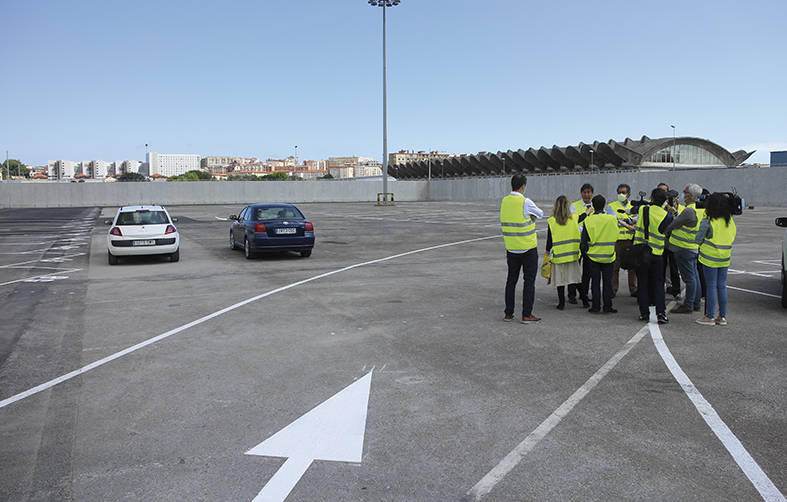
x,y
107,222
781,222
233,217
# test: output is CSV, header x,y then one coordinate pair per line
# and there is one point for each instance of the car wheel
x,y
306,253
247,249
233,244
112,259
175,256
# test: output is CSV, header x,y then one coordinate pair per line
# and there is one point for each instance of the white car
x,y
782,222
142,230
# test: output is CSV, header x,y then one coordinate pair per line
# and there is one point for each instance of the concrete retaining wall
x,y
760,187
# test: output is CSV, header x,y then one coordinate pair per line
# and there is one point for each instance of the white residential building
x,y
98,169
62,169
170,164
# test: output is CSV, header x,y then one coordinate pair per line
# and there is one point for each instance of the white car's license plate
x,y
143,243
286,230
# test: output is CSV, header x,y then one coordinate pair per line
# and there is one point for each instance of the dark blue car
x,y
271,227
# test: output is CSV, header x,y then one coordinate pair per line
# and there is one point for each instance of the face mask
x,y
622,197
682,199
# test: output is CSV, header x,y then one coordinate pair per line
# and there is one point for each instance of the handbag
x,y
637,256
546,268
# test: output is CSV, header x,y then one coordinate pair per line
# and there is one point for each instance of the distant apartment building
x,y
317,165
62,169
97,169
170,164
214,161
127,166
366,168
403,156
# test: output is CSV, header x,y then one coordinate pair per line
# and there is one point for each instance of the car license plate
x,y
143,243
280,231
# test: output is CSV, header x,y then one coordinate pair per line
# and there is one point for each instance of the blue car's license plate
x,y
280,231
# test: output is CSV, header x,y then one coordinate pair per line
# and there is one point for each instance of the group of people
x,y
586,240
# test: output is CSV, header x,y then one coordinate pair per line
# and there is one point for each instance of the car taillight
x,y
116,231
170,230
308,226
259,228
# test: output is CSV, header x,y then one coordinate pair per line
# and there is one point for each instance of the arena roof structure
x,y
679,153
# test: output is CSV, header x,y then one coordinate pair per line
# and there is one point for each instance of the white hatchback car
x,y
142,230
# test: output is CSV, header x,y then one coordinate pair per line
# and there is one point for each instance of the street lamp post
x,y
674,145
591,159
296,155
384,4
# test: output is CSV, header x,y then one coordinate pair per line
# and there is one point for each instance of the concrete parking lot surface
x,y
455,393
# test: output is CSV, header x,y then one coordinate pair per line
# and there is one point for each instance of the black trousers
x,y
601,272
584,285
528,263
650,286
674,276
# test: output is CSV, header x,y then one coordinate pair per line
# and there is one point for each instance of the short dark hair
x,y
662,183
518,181
658,196
586,186
628,188
599,202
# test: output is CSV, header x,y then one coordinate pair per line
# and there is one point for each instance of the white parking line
x,y
57,259
759,479
752,291
35,277
129,350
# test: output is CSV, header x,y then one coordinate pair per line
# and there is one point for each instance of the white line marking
x,y
36,278
752,291
759,479
133,348
758,274
493,477
48,260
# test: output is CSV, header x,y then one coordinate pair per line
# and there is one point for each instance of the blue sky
x,y
86,80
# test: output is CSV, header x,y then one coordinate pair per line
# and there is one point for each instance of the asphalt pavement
x,y
172,372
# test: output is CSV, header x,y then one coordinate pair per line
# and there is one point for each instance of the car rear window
x,y
277,213
142,218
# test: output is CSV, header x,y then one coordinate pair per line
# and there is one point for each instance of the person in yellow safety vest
x,y
715,237
673,279
563,245
580,209
626,224
684,248
517,221
598,242
650,279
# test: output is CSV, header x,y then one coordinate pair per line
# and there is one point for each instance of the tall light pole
x,y
674,145
591,159
296,155
384,4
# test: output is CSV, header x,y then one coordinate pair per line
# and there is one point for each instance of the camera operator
x,y
673,279
684,249
650,278
715,237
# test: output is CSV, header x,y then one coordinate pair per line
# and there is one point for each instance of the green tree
x,y
277,176
16,168
328,176
194,175
131,177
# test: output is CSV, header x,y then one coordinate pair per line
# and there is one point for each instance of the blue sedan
x,y
271,227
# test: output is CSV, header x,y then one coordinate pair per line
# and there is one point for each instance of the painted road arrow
x,y
333,431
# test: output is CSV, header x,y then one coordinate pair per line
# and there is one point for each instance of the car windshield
x,y
143,218
277,213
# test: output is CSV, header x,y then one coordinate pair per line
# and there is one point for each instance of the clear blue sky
x,y
86,80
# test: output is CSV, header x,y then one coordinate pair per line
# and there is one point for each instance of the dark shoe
x,y
614,294
561,306
698,309
662,318
644,317
529,319
634,294
585,303
611,311
572,301
593,311
680,309
508,318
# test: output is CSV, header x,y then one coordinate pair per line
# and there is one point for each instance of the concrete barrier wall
x,y
760,187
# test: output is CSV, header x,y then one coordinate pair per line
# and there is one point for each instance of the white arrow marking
x,y
334,431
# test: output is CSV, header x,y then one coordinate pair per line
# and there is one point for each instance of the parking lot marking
x,y
133,348
752,291
759,479
510,461
37,278
47,260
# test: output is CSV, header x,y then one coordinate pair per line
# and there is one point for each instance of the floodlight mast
x,y
384,4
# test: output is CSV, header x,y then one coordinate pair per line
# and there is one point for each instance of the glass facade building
x,y
686,155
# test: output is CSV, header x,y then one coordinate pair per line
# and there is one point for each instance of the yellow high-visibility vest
x,y
683,237
623,232
565,240
579,208
519,233
655,238
716,251
603,233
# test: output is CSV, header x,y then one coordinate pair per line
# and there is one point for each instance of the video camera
x,y
732,198
641,201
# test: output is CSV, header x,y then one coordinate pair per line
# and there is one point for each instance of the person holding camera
x,y
715,236
673,279
626,224
598,243
563,245
652,223
684,248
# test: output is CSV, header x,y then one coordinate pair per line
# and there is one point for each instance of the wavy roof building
x,y
682,153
